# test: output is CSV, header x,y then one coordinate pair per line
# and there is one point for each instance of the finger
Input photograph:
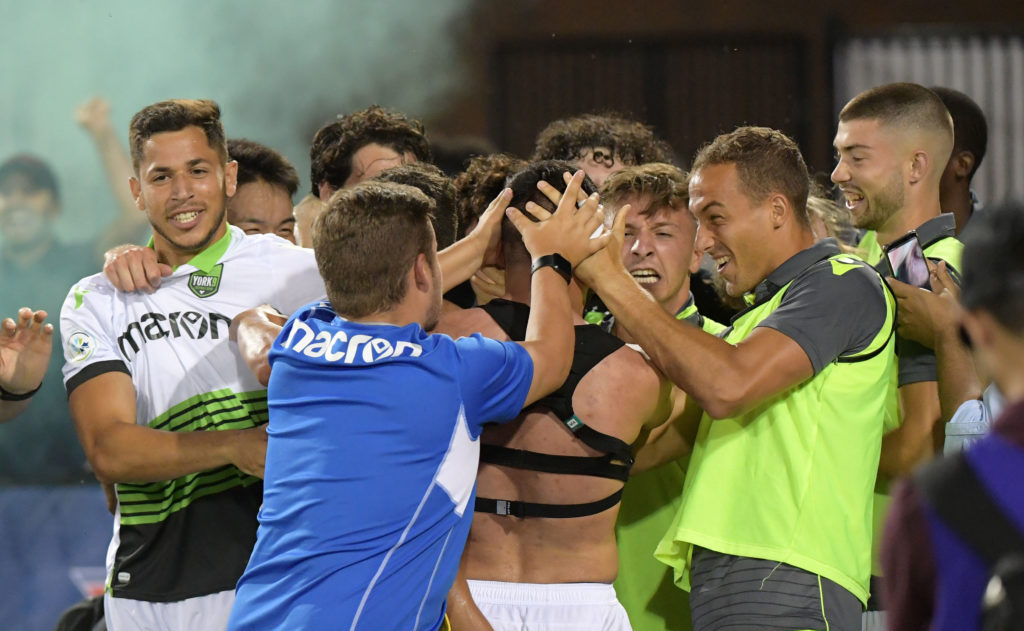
x,y
123,275
24,317
900,289
537,211
497,207
47,331
595,221
553,194
572,191
37,322
137,269
482,277
567,177
8,327
518,219
152,271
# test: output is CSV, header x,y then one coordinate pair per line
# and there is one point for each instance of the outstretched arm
x,y
25,348
254,330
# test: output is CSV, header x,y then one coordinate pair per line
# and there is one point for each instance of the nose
x,y
703,241
642,244
181,186
840,174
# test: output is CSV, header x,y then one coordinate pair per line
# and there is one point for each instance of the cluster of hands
x,y
925,316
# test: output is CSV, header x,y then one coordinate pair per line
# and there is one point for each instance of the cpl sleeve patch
x,y
80,346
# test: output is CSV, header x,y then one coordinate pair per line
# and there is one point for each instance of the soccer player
x,y
164,407
373,447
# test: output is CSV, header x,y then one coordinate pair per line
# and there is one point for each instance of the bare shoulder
x,y
465,322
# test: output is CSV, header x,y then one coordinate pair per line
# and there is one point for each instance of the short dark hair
x,y
435,185
993,265
366,240
480,183
900,104
665,184
260,162
632,141
176,115
970,129
335,143
36,172
524,189
767,161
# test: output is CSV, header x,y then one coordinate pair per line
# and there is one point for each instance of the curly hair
x,y
336,142
634,142
483,179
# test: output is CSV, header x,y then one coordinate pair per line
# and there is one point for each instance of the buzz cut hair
x,y
900,105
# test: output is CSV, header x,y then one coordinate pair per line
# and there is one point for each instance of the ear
x,y
136,187
230,178
779,210
963,164
421,274
920,165
324,191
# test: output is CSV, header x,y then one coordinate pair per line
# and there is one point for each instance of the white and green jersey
x,y
189,536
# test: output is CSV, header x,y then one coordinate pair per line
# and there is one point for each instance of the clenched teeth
x,y
645,276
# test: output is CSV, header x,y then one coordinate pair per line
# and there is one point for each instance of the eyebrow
x,y
853,147
708,205
191,163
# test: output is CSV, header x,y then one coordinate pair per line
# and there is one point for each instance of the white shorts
x,y
558,606
202,613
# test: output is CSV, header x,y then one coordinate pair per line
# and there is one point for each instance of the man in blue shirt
x,y
374,424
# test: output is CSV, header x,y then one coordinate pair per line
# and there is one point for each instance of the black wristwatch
x,y
10,396
555,261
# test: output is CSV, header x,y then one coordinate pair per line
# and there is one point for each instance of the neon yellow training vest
x,y
792,479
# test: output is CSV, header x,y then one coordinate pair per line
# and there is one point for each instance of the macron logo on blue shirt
x,y
337,346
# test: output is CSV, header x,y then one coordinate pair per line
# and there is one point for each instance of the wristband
x,y
556,262
10,396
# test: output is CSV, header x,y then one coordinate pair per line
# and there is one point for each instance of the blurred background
x,y
499,71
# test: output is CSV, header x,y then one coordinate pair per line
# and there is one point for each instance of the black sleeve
x,y
916,362
831,311
95,370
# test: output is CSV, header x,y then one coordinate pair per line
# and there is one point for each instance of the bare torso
x,y
618,397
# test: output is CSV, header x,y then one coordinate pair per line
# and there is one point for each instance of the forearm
x,y
10,409
912,443
254,331
957,377
461,260
134,453
550,336
707,368
118,169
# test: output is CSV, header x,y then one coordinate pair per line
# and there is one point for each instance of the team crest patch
x,y
205,285
81,346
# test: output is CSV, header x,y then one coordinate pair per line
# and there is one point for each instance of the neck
x,y
1009,374
961,205
802,239
404,314
679,300
27,256
167,252
915,211
518,283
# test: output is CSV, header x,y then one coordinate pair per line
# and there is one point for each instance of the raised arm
x,y
550,337
94,117
24,354
119,450
462,259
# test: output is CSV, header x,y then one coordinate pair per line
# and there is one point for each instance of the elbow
x,y
726,400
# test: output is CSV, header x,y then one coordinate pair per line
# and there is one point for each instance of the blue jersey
x,y
370,471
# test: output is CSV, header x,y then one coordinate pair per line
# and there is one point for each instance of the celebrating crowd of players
x,y
501,401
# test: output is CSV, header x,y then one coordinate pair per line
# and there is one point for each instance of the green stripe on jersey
x,y
223,409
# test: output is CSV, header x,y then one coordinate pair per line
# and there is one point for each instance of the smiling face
x,y
869,172
259,207
732,229
183,188
659,251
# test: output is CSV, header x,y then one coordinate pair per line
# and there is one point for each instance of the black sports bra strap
x,y
519,509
